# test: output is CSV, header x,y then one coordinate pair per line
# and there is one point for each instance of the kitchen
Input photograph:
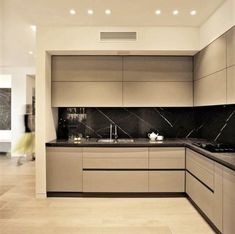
x,y
138,111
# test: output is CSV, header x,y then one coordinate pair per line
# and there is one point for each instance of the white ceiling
x,y
18,39
124,12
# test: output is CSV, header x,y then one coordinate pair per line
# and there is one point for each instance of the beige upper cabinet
x,y
230,36
150,94
231,85
87,94
211,59
210,90
157,68
86,68
157,81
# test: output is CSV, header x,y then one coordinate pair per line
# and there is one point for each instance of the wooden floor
x,y
21,213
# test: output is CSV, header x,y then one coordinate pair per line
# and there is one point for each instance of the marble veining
x,y
212,123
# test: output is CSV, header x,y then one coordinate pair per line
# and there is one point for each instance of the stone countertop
x,y
226,159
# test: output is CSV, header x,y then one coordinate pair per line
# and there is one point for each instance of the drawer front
x,y
115,158
167,158
115,181
201,167
200,194
167,181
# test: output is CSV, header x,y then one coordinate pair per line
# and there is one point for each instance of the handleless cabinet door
x,y
167,158
231,47
167,181
211,59
87,94
231,85
86,68
115,158
210,90
115,181
64,169
228,201
152,94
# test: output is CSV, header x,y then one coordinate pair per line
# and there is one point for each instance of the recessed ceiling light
x,y
158,12
34,28
90,12
30,52
193,12
175,12
107,12
72,12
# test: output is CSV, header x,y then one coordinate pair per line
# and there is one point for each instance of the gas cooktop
x,y
216,147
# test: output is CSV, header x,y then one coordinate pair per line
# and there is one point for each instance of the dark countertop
x,y
226,159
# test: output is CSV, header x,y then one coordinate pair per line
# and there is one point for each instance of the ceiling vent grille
x,y
118,36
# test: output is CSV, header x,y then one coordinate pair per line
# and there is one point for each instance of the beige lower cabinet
x,y
115,169
167,158
115,181
167,181
200,166
207,199
228,201
64,169
115,158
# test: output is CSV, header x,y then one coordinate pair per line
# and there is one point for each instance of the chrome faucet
x,y
111,131
115,132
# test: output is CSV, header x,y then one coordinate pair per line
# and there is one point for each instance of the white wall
x,y
18,76
221,21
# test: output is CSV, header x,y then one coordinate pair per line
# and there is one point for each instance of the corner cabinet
x,y
64,169
204,186
214,72
228,201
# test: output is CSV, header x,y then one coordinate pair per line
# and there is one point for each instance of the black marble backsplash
x,y
212,123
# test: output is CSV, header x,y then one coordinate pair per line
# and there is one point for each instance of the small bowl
x,y
160,138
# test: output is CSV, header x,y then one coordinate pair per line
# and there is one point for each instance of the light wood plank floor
x,y
21,213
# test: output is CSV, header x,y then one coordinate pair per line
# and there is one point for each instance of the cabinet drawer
x,y
115,181
201,167
115,158
167,158
167,181
200,194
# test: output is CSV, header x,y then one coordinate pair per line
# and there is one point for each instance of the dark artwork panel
x,y
5,109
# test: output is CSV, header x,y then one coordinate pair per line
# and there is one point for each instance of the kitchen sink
x,y
121,140
106,140
125,140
